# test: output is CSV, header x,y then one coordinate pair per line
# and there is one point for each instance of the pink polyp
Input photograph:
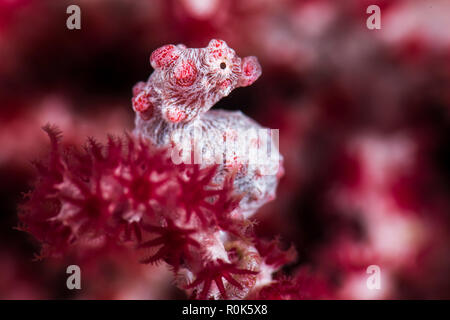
x,y
175,115
164,56
251,70
141,102
185,74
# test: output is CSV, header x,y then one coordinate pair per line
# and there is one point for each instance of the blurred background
x,y
364,120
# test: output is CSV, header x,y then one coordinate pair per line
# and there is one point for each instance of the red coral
x,y
109,191
93,209
117,191
82,195
273,255
37,214
137,176
216,271
304,286
174,242
195,192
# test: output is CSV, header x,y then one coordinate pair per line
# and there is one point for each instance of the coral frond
x,y
174,244
215,272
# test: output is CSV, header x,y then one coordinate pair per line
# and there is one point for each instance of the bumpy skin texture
x,y
173,104
188,82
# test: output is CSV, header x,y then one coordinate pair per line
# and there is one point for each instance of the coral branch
x,y
192,216
216,272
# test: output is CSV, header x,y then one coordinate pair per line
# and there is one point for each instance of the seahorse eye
x,y
223,65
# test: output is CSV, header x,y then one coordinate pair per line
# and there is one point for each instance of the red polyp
x,y
225,84
175,115
174,243
251,70
185,74
142,104
216,49
138,87
274,255
216,272
305,285
164,56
